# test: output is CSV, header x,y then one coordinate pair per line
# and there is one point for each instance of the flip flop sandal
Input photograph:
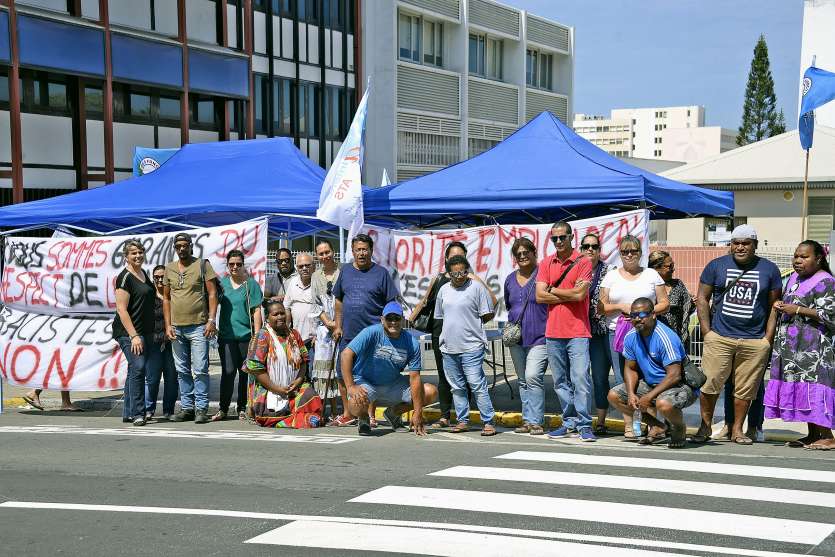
x,y
488,430
742,440
442,423
652,439
814,447
460,427
31,402
219,416
700,438
524,428
796,444
537,430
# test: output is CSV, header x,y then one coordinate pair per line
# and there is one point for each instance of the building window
x,y
4,90
334,101
478,146
424,149
262,107
308,102
169,110
282,97
42,93
333,14
486,56
539,69
409,37
308,10
433,43
93,101
138,105
204,113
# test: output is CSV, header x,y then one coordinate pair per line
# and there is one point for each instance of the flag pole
x,y
805,197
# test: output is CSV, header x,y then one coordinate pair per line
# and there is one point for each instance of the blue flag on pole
x,y
818,89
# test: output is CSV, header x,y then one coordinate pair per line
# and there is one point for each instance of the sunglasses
x,y
593,247
235,265
458,274
639,314
305,266
523,253
285,260
159,278
629,252
560,238
393,317
330,288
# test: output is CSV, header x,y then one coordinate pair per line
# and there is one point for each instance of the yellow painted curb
x,y
16,401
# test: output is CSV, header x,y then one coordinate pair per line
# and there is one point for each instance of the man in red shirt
x,y
563,283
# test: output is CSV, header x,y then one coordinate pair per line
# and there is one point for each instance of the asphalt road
x,y
74,484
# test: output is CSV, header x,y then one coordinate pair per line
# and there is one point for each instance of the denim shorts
x,y
388,394
679,397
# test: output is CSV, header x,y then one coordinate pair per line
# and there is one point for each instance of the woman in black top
x,y
133,327
160,364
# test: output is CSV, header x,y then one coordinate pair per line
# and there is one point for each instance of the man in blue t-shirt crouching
x,y
372,365
653,376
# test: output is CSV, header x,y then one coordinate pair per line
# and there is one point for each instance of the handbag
x,y
423,320
512,331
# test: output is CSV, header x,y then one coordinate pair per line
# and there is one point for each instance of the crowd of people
x,y
335,336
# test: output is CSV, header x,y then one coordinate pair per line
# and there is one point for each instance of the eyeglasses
x,y
639,314
330,288
285,260
458,274
304,266
235,264
629,252
560,238
593,247
523,253
159,278
393,317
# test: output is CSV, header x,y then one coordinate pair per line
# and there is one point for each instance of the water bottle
x,y
636,423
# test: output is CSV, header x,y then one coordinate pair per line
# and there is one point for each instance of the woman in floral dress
x,y
802,384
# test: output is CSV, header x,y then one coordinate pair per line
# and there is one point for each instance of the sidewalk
x,y
508,409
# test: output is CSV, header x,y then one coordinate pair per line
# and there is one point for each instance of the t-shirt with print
x,y
743,310
664,346
461,308
568,319
234,318
140,304
188,294
623,291
380,359
364,294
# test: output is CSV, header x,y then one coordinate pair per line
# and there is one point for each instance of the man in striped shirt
x,y
653,376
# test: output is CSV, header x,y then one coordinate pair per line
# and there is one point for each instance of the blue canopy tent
x,y
542,173
204,184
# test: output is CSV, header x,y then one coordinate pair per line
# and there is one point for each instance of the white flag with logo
x,y
340,202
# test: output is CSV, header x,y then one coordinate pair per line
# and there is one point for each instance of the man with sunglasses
x,y
653,375
563,282
190,305
276,285
372,365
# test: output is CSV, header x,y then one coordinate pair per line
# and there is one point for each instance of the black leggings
x,y
444,390
232,356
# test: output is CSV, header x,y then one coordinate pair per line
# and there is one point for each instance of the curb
x,y
504,419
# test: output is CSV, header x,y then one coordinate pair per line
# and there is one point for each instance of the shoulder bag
x,y
423,320
512,331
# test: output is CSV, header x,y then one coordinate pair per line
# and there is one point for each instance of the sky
x,y
648,53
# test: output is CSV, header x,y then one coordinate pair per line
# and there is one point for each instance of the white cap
x,y
744,232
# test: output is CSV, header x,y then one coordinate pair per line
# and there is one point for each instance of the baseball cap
x,y
744,232
393,308
182,236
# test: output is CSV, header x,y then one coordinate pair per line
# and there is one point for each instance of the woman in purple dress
x,y
802,384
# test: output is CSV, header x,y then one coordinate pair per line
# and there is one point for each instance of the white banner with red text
x,y
414,257
77,275
61,352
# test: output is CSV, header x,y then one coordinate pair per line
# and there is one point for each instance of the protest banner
x,y
61,352
414,257
77,275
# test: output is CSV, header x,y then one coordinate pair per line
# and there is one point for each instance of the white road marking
x,y
758,527
406,523
796,474
661,486
272,436
442,543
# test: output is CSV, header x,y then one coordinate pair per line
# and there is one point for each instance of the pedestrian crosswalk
x,y
585,504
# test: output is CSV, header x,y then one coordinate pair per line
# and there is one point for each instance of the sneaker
x,y
201,417
342,421
395,420
364,428
587,435
561,432
149,416
183,416
140,421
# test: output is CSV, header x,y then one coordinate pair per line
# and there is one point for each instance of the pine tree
x,y
760,118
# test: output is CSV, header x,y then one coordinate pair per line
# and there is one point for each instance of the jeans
x,y
232,356
600,354
444,390
191,357
530,363
161,366
756,412
618,361
569,359
462,370
134,400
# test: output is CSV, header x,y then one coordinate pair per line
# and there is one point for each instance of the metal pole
x,y
342,246
805,197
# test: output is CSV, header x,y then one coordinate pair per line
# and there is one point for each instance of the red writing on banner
x,y
22,362
77,254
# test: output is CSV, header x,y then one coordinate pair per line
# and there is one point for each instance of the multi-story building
x,y
674,133
451,78
84,81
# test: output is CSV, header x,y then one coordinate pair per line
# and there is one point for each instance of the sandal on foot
x,y
524,428
653,439
460,427
219,416
442,423
31,402
743,440
700,438
537,429
488,430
